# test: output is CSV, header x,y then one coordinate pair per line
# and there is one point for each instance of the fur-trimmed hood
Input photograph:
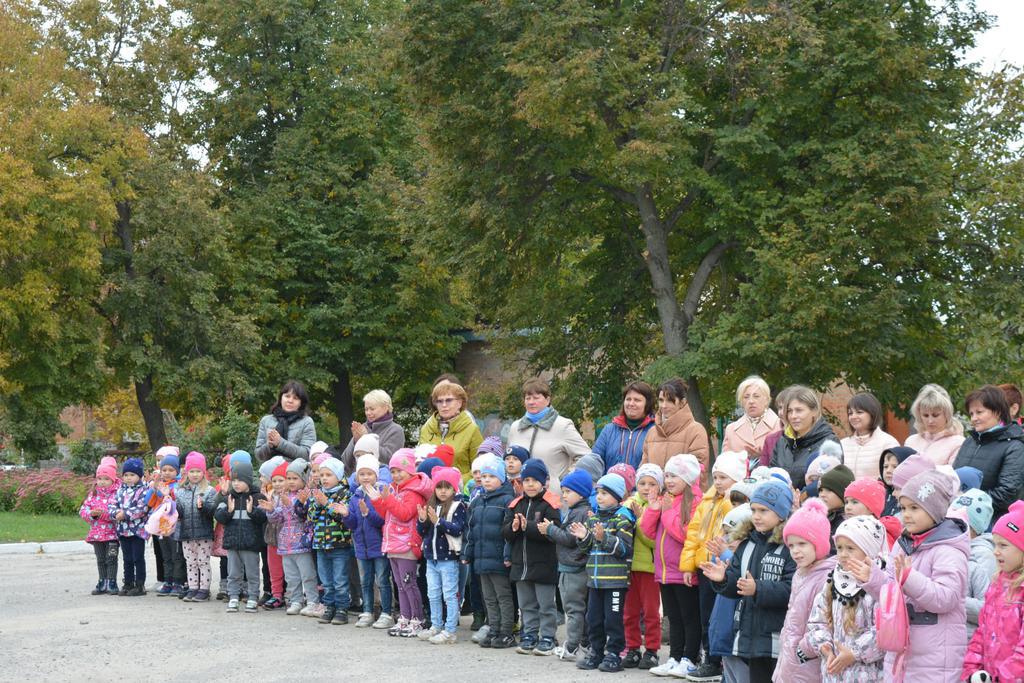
x,y
746,528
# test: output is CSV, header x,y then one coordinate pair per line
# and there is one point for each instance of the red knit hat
x,y
446,453
870,492
280,471
1011,525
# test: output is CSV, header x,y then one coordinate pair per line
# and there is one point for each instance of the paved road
x,y
52,629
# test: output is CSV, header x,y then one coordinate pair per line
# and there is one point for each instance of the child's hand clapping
x,y
421,514
542,526
840,660
746,586
319,497
340,508
578,530
432,514
714,570
861,570
363,507
599,532
120,516
303,496
248,504
231,503
715,546
266,505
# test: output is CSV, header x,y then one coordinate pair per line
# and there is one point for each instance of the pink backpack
x,y
892,624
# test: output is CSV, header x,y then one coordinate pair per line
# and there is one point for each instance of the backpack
x,y
892,624
164,519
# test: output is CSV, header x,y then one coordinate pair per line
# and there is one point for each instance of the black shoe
x,y
356,608
263,599
340,618
479,619
137,590
222,595
648,661
611,664
100,589
488,640
589,663
706,673
328,616
125,587
631,660
503,642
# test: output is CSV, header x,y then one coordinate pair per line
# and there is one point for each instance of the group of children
x,y
755,585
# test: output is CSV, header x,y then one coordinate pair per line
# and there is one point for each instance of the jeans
x,y
735,670
376,571
133,550
332,565
443,579
706,595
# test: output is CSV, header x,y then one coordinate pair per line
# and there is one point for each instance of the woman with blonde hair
x,y
380,420
758,421
451,424
939,434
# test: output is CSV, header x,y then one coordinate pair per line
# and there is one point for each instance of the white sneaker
x,y
294,608
364,621
250,606
665,669
413,629
428,633
562,652
315,610
683,669
443,638
481,634
399,628
233,605
384,621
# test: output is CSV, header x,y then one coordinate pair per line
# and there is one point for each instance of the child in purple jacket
x,y
129,511
295,541
367,533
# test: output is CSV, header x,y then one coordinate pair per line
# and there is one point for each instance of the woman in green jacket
x,y
451,424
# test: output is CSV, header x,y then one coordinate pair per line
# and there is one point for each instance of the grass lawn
x,y
19,527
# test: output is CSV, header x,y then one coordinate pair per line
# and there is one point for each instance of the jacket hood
x,y
950,531
620,421
982,545
820,431
420,483
901,453
504,490
820,570
746,529
682,419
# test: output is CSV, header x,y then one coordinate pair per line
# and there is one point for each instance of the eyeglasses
x,y
445,401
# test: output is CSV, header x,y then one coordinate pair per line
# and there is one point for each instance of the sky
x,y
1004,42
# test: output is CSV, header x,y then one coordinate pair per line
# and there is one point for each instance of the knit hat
x,y
837,479
225,465
492,445
493,465
745,487
517,452
424,451
267,468
870,492
1011,525
978,506
580,482
170,460
535,469
367,462
367,443
781,474
932,490
242,471
775,496
627,473
475,467
404,459
164,451
336,467
592,464
429,464
819,466
684,466
650,469
738,515
613,484
811,523
970,478
732,464
280,471
300,467
760,473
133,465
319,459
867,533
240,456
317,448
445,453
195,461
448,474
107,468
909,468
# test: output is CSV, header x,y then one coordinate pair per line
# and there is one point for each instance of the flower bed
x,y
53,491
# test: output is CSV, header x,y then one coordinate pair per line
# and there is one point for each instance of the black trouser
x,y
706,594
761,669
173,561
266,572
682,607
133,550
604,620
158,554
106,559
224,569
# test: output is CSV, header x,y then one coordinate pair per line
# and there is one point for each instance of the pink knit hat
x,y
448,474
627,473
933,491
1011,525
404,459
195,461
319,459
909,468
870,492
107,468
810,523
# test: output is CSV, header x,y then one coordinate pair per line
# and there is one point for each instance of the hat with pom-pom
x,y
107,468
811,523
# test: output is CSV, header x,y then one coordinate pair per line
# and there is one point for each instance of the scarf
x,y
633,424
286,420
534,418
386,417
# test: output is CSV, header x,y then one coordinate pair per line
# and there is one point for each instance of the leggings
x,y
106,559
410,604
682,608
197,563
133,550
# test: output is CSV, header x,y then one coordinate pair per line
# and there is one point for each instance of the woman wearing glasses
x,y
452,424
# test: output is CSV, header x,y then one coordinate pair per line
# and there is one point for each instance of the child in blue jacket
x,y
367,528
722,627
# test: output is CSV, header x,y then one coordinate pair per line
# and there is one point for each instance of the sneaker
x,y
684,668
444,638
273,603
481,633
384,621
611,664
502,642
364,621
232,605
189,596
589,663
706,673
137,590
340,618
631,660
250,606
263,598
545,647
648,661
100,589
328,615
567,653
488,640
399,627
165,590
355,608
428,633
665,669
412,630
315,610
221,595
201,596
526,645
179,591
111,587
479,619
294,609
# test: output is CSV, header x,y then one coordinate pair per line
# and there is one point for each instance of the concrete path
x,y
52,629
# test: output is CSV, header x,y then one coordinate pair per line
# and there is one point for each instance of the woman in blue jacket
x,y
622,440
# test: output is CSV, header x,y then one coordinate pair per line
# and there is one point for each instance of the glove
x,y
980,677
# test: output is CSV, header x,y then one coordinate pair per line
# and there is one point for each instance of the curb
x,y
51,547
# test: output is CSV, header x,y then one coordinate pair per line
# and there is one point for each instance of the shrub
x,y
50,491
85,455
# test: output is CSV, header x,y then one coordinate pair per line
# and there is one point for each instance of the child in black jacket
x,y
243,521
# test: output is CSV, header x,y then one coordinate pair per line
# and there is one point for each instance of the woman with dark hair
x,y
805,431
995,446
863,448
622,440
1014,399
288,430
675,431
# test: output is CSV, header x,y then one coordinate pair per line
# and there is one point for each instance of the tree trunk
x,y
341,390
152,414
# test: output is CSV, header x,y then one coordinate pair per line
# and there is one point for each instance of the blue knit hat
x,y
518,452
970,478
580,482
978,505
775,496
429,464
493,465
239,456
170,460
613,484
133,465
535,469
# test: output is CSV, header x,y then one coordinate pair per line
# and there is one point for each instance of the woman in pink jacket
x,y
939,434
749,433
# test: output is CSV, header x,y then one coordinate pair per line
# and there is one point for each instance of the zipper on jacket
x,y
529,503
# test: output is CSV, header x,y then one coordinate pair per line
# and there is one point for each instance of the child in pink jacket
x,y
102,528
996,647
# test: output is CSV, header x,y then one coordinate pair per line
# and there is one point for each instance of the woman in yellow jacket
x,y
450,423
729,468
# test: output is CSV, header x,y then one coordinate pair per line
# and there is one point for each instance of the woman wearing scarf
x,y
547,435
758,422
452,424
379,421
287,431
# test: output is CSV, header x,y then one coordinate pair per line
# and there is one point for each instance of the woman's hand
x,y
358,430
273,437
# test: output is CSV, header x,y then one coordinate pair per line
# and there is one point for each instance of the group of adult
x,y
652,426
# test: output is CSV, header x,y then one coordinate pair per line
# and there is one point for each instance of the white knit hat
x,y
684,466
368,443
367,462
732,464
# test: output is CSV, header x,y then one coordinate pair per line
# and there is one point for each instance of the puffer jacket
x,y
996,646
941,447
463,436
665,527
294,530
807,585
935,590
443,541
533,554
102,528
861,453
608,562
194,523
243,530
981,567
571,558
368,529
722,625
999,454
678,434
643,545
867,656
131,500
399,513
762,615
705,525
792,452
617,443
485,545
329,530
